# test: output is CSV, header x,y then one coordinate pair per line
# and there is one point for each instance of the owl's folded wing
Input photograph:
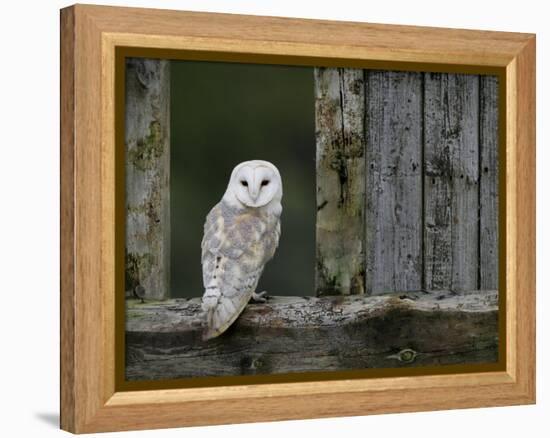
x,y
233,257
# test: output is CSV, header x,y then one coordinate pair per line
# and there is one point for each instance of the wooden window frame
x,y
90,36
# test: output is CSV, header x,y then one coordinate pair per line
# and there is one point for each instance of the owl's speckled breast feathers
x,y
238,241
232,233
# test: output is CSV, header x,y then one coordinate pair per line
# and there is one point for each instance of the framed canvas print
x,y
269,218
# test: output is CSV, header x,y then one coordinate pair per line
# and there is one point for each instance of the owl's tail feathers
x,y
209,303
210,300
208,332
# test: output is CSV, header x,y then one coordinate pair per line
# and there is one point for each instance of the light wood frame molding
x,y
89,38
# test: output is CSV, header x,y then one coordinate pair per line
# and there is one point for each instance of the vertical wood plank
x,y
340,140
147,177
67,364
488,180
451,177
394,181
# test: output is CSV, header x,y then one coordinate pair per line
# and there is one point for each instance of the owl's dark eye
x,y
244,183
265,182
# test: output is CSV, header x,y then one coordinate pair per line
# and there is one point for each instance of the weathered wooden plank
x,y
451,193
394,181
488,183
294,334
339,118
147,177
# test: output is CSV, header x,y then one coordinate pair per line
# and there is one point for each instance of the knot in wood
x,y
406,355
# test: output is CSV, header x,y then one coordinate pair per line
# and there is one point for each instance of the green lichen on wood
x,y
331,277
136,315
137,266
137,310
148,149
326,284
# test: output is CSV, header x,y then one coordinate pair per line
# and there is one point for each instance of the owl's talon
x,y
260,297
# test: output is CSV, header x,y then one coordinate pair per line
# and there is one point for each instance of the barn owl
x,y
241,235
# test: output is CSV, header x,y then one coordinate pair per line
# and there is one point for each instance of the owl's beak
x,y
254,194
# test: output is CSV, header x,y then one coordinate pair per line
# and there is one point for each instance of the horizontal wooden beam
x,y
297,334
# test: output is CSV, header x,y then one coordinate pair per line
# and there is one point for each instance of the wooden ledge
x,y
296,334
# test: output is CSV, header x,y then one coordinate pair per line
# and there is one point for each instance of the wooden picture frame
x,y
91,37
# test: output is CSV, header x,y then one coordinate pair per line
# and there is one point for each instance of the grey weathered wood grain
x,y
451,192
293,334
394,181
488,180
339,113
147,138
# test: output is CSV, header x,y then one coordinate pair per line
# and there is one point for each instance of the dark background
x,y
223,114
